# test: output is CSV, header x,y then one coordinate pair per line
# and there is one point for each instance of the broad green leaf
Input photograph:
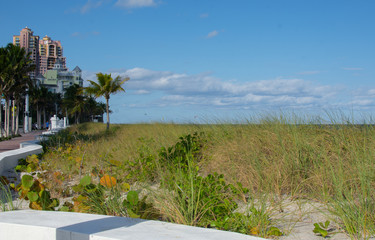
x,y
132,197
64,209
319,230
125,187
77,188
86,180
326,224
27,181
274,231
32,196
20,168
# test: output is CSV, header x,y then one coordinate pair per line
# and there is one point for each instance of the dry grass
x,y
279,158
327,163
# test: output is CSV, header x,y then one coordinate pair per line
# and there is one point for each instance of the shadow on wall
x,y
83,230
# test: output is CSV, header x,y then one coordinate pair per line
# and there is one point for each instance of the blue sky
x,y
190,60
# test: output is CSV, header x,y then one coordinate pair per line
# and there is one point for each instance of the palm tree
x,y
15,65
3,79
105,87
45,100
42,98
93,108
54,104
35,95
19,96
23,82
74,101
79,107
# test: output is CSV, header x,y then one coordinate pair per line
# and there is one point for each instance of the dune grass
x,y
271,155
6,198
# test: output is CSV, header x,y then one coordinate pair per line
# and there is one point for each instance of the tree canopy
x,y
105,87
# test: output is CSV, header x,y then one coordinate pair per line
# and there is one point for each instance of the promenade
x,y
14,143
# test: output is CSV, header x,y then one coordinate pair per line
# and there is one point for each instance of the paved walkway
x,y
14,143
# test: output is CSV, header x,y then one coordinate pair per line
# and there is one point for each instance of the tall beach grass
x,y
330,160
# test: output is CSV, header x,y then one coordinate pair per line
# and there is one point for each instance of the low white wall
x,y
9,159
29,143
47,225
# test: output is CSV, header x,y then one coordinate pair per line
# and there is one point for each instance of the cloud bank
x,y
181,96
176,89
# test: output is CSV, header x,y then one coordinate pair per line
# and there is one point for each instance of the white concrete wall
x,y
9,159
47,225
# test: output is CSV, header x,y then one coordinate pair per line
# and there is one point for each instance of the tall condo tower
x,y
50,51
30,43
44,52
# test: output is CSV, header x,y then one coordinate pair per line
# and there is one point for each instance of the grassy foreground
x,y
199,174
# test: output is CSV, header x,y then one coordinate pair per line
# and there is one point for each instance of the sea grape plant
x,y
34,191
107,197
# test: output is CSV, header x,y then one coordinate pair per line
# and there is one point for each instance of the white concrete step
x,y
48,225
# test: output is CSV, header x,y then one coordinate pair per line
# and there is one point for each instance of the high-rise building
x,y
44,52
49,52
47,55
30,43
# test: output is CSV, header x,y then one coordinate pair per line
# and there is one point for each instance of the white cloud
x,y
141,92
371,91
152,90
90,5
168,89
205,90
135,3
212,34
362,102
87,75
128,4
204,15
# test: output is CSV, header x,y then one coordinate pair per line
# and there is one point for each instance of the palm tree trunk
x,y
44,117
107,100
13,116
1,120
7,117
38,116
17,118
67,116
